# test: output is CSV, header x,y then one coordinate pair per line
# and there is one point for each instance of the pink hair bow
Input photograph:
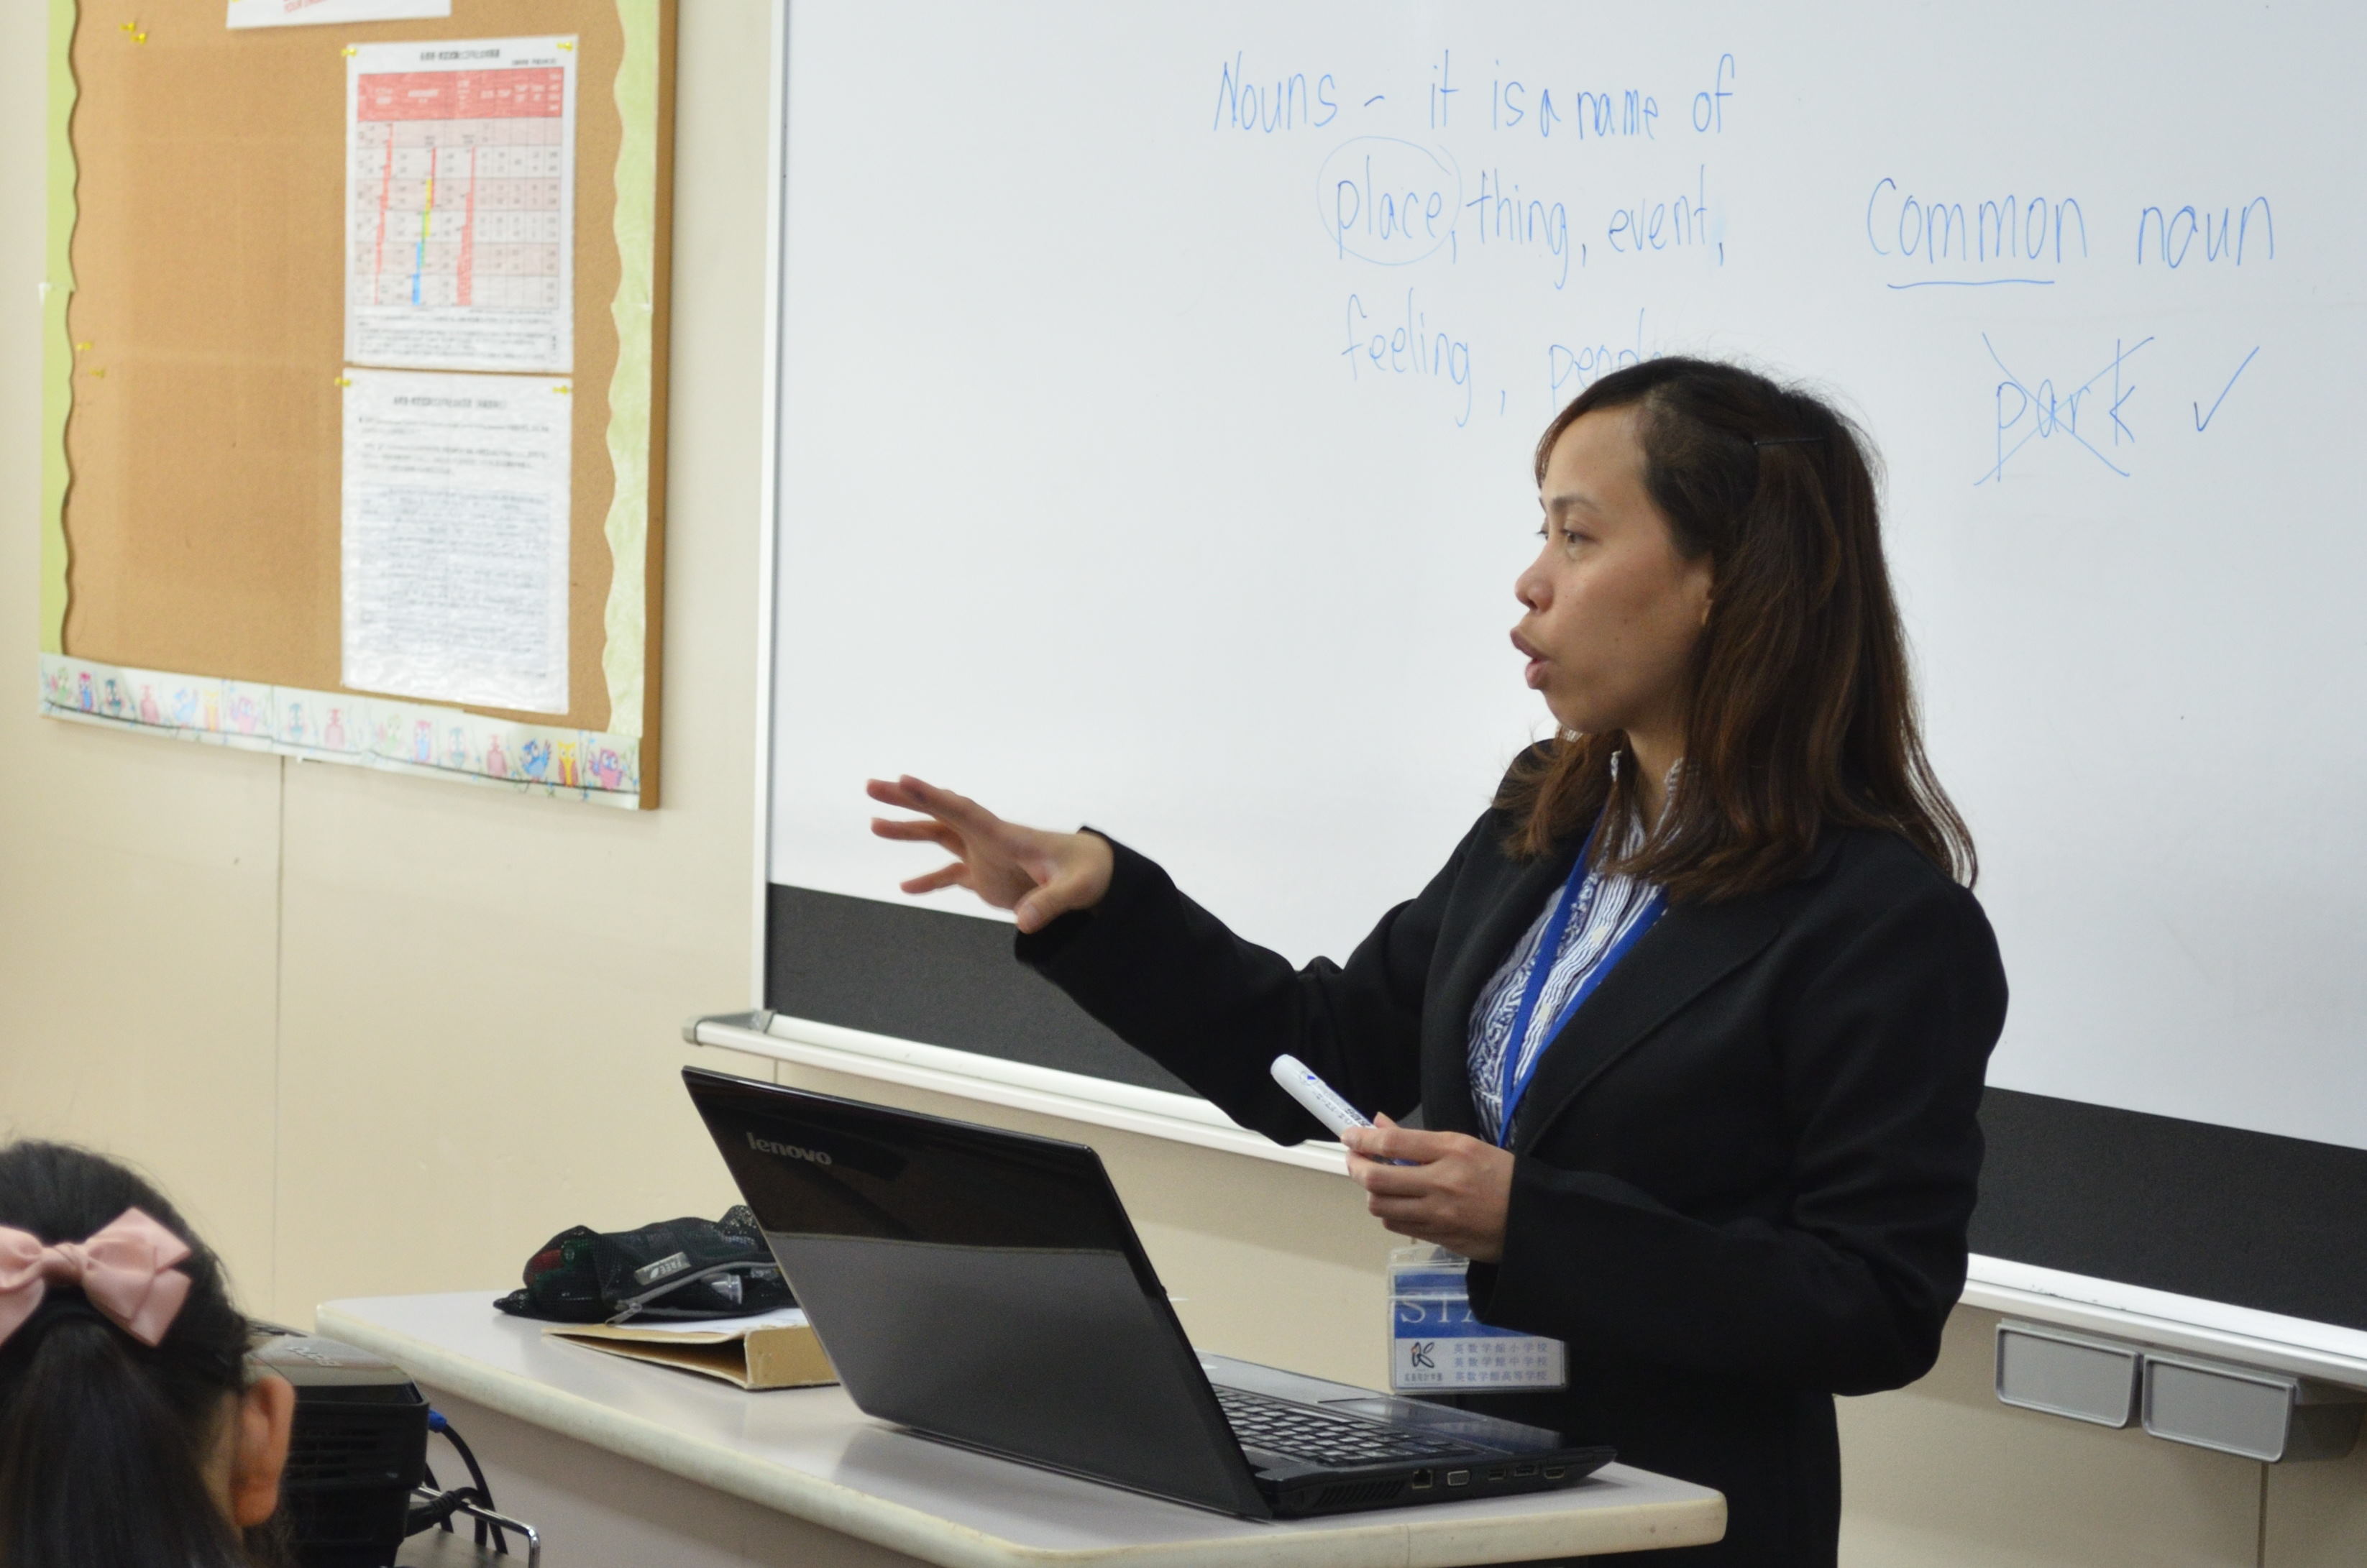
x,y
125,1267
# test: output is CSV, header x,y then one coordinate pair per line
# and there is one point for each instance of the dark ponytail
x,y
103,1441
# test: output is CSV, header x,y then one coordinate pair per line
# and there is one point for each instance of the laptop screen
x,y
979,1285
811,1165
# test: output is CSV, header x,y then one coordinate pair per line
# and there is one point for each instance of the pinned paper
x,y
459,223
302,12
455,541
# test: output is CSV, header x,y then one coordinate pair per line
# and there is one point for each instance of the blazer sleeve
x,y
1883,1053
1168,978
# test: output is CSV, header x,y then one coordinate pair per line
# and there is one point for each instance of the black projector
x,y
358,1448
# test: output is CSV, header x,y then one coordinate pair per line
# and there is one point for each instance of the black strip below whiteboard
x,y
2251,1219
941,978
2275,1224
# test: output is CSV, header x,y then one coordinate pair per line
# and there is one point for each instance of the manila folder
x,y
773,1349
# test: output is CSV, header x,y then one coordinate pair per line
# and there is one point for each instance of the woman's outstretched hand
x,y
1039,876
1455,1195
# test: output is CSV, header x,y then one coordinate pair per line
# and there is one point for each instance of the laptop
x,y
986,1289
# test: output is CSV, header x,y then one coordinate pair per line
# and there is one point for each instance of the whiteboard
x,y
1158,390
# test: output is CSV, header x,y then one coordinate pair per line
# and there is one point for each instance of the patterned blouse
x,y
1609,907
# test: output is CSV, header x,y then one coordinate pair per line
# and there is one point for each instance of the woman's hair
x,y
1802,716
103,1440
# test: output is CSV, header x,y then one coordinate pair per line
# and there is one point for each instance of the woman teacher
x,y
1697,1012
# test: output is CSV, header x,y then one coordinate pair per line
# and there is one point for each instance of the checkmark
x,y
2202,420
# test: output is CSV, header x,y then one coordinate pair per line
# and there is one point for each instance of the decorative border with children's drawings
x,y
340,726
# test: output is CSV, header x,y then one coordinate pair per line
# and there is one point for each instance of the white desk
x,y
810,1455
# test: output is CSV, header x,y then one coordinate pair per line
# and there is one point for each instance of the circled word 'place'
x,y
1385,200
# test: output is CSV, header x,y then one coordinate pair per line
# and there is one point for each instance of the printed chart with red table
x,y
460,205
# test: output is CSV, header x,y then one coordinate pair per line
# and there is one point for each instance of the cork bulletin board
x,y
195,355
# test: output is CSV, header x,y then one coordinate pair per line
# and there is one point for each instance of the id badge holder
x,y
1437,1346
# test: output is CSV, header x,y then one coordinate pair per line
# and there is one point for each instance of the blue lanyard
x,y
1515,1081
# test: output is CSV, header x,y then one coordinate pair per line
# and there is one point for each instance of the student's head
x,y
114,1449
1713,572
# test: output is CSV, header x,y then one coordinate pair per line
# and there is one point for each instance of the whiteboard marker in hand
x,y
1322,1101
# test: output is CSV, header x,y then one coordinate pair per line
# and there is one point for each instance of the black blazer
x,y
1744,1168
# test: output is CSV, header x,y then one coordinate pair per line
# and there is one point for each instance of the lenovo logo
x,y
787,1151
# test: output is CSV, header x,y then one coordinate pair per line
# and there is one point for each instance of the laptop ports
x,y
1421,1481
1555,1471
1497,1473
1458,1478
1519,1470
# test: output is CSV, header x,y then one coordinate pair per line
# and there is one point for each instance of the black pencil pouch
x,y
675,1268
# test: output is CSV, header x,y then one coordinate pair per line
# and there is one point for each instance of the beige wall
x,y
381,1034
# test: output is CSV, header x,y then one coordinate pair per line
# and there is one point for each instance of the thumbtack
x,y
563,391
350,52
344,380
567,44
82,347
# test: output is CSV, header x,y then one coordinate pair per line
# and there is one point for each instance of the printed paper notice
x,y
460,205
299,13
455,533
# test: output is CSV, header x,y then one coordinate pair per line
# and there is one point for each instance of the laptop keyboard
x,y
1317,1437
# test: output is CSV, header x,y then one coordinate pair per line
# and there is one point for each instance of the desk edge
x,y
1424,1543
